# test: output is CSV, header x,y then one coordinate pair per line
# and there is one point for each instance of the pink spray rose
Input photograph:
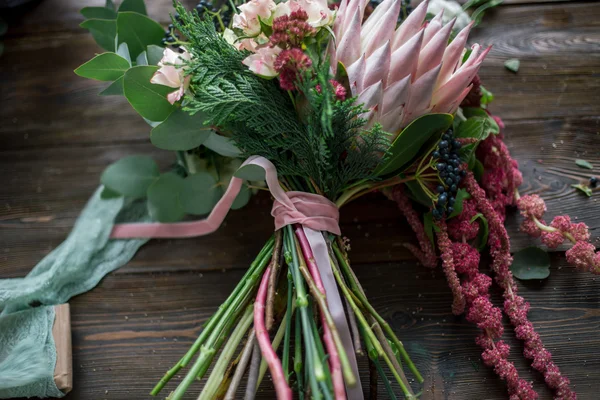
x,y
172,74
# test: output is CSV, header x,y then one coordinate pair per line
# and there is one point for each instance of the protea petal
x,y
433,27
410,26
405,59
348,49
356,75
451,108
338,25
432,54
371,98
376,15
472,57
453,54
421,92
449,91
383,31
396,96
378,66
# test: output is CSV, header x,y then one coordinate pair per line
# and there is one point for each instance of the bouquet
x,y
325,104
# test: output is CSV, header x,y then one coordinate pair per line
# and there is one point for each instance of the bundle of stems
x,y
281,299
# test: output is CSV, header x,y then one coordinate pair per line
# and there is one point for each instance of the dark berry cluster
x,y
593,181
447,163
170,36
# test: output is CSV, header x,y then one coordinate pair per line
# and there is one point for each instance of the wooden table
x,y
57,135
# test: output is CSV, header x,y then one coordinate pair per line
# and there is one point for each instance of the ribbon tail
x,y
336,307
182,229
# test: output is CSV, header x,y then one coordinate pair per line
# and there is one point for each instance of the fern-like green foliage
x,y
319,138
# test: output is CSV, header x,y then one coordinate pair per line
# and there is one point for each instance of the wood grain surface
x,y
57,135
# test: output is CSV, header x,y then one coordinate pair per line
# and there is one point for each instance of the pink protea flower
x,y
401,74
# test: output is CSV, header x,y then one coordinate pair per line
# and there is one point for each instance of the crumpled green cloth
x,y
74,267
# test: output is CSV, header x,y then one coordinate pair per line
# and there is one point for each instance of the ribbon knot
x,y
309,210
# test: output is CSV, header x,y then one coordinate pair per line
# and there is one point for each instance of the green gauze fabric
x,y
74,267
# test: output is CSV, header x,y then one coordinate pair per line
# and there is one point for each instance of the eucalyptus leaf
x,y
108,193
131,176
418,194
461,195
512,65
104,32
142,59
585,189
408,143
123,51
154,54
181,131
531,263
138,31
200,193
251,172
222,145
114,89
148,99
104,67
98,13
137,6
163,198
584,164
242,198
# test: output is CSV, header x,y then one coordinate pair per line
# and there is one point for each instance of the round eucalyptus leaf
x,y
138,31
200,193
131,176
242,198
180,131
163,198
251,172
531,263
148,99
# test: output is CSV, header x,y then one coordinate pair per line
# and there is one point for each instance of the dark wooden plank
x,y
558,48
132,327
46,188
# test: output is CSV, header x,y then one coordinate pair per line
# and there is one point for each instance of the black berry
x,y
593,181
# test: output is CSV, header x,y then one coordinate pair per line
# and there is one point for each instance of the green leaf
x,y
98,13
478,170
222,145
484,231
109,194
477,15
242,198
480,112
461,195
114,89
585,189
486,96
181,131
584,164
130,176
138,31
103,31
148,99
136,6
512,65
251,172
474,127
163,198
123,51
142,59
418,194
200,193
154,54
411,139
531,263
104,67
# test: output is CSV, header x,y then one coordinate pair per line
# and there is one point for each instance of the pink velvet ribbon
x,y
315,213
307,209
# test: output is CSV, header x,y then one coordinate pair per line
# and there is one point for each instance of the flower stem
x,y
275,267
357,290
241,367
288,328
262,336
298,356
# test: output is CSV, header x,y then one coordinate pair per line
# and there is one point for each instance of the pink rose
x,y
248,18
262,62
171,73
318,11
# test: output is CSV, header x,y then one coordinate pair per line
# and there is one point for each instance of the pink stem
x,y
334,358
262,335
